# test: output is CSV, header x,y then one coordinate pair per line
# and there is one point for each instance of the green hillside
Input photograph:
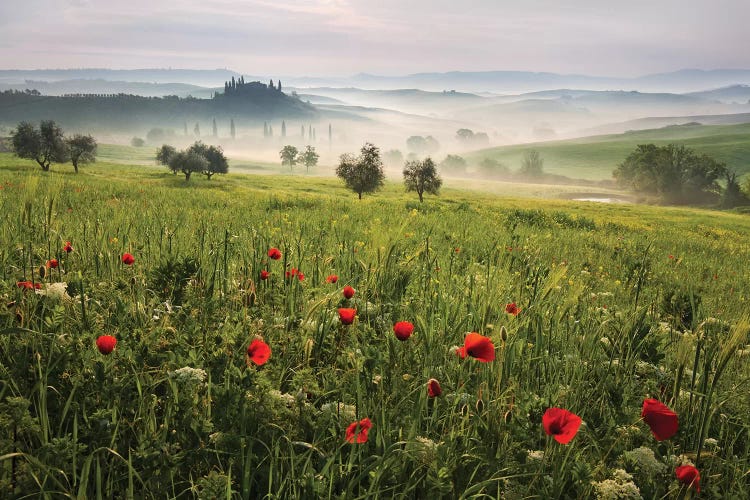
x,y
596,157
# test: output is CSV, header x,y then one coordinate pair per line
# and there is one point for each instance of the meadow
x,y
588,307
596,157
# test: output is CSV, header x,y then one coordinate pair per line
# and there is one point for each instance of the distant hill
x,y
667,121
687,80
405,100
100,86
596,157
733,93
119,112
206,78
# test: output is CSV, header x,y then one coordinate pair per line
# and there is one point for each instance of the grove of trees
x,y
363,173
198,158
673,173
47,144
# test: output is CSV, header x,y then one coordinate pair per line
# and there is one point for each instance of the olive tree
x,y
44,145
422,177
364,173
81,149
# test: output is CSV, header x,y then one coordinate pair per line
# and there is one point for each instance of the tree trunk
x,y
420,196
209,174
75,166
44,165
360,195
187,175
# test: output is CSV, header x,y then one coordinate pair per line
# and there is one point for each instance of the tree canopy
x,y
422,177
187,162
673,173
363,173
81,149
309,157
214,155
44,145
532,164
288,156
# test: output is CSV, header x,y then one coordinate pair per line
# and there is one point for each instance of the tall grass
x,y
617,304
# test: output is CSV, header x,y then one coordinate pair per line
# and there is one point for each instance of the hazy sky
x,y
343,37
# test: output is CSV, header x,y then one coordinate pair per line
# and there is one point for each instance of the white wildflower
x,y
55,291
188,375
535,455
621,486
644,460
346,413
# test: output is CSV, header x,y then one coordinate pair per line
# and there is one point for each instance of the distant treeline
x,y
254,105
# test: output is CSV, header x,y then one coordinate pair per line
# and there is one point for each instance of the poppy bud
x,y
42,271
503,333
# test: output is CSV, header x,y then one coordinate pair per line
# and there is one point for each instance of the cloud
x,y
386,36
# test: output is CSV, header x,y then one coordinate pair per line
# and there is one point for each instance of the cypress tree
x,y
283,128
270,84
185,127
197,130
231,127
215,130
234,85
265,129
270,131
302,131
279,86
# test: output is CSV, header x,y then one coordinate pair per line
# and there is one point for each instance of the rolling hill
x,y
596,157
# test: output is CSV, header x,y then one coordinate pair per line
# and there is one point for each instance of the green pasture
x,y
618,303
595,158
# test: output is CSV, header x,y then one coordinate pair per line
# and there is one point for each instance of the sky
x,y
386,37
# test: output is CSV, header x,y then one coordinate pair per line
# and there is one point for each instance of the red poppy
x,y
689,475
106,344
346,315
357,431
433,388
661,420
332,278
67,248
52,263
300,276
512,308
403,330
479,347
561,424
348,292
264,274
274,253
128,259
258,352
28,285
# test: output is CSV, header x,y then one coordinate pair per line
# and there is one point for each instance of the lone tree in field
x,y
214,155
164,155
81,149
44,145
422,177
188,163
532,164
309,157
289,156
364,173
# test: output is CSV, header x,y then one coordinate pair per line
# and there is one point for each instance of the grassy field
x,y
618,303
596,157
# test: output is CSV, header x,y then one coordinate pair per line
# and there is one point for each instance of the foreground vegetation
x,y
615,304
